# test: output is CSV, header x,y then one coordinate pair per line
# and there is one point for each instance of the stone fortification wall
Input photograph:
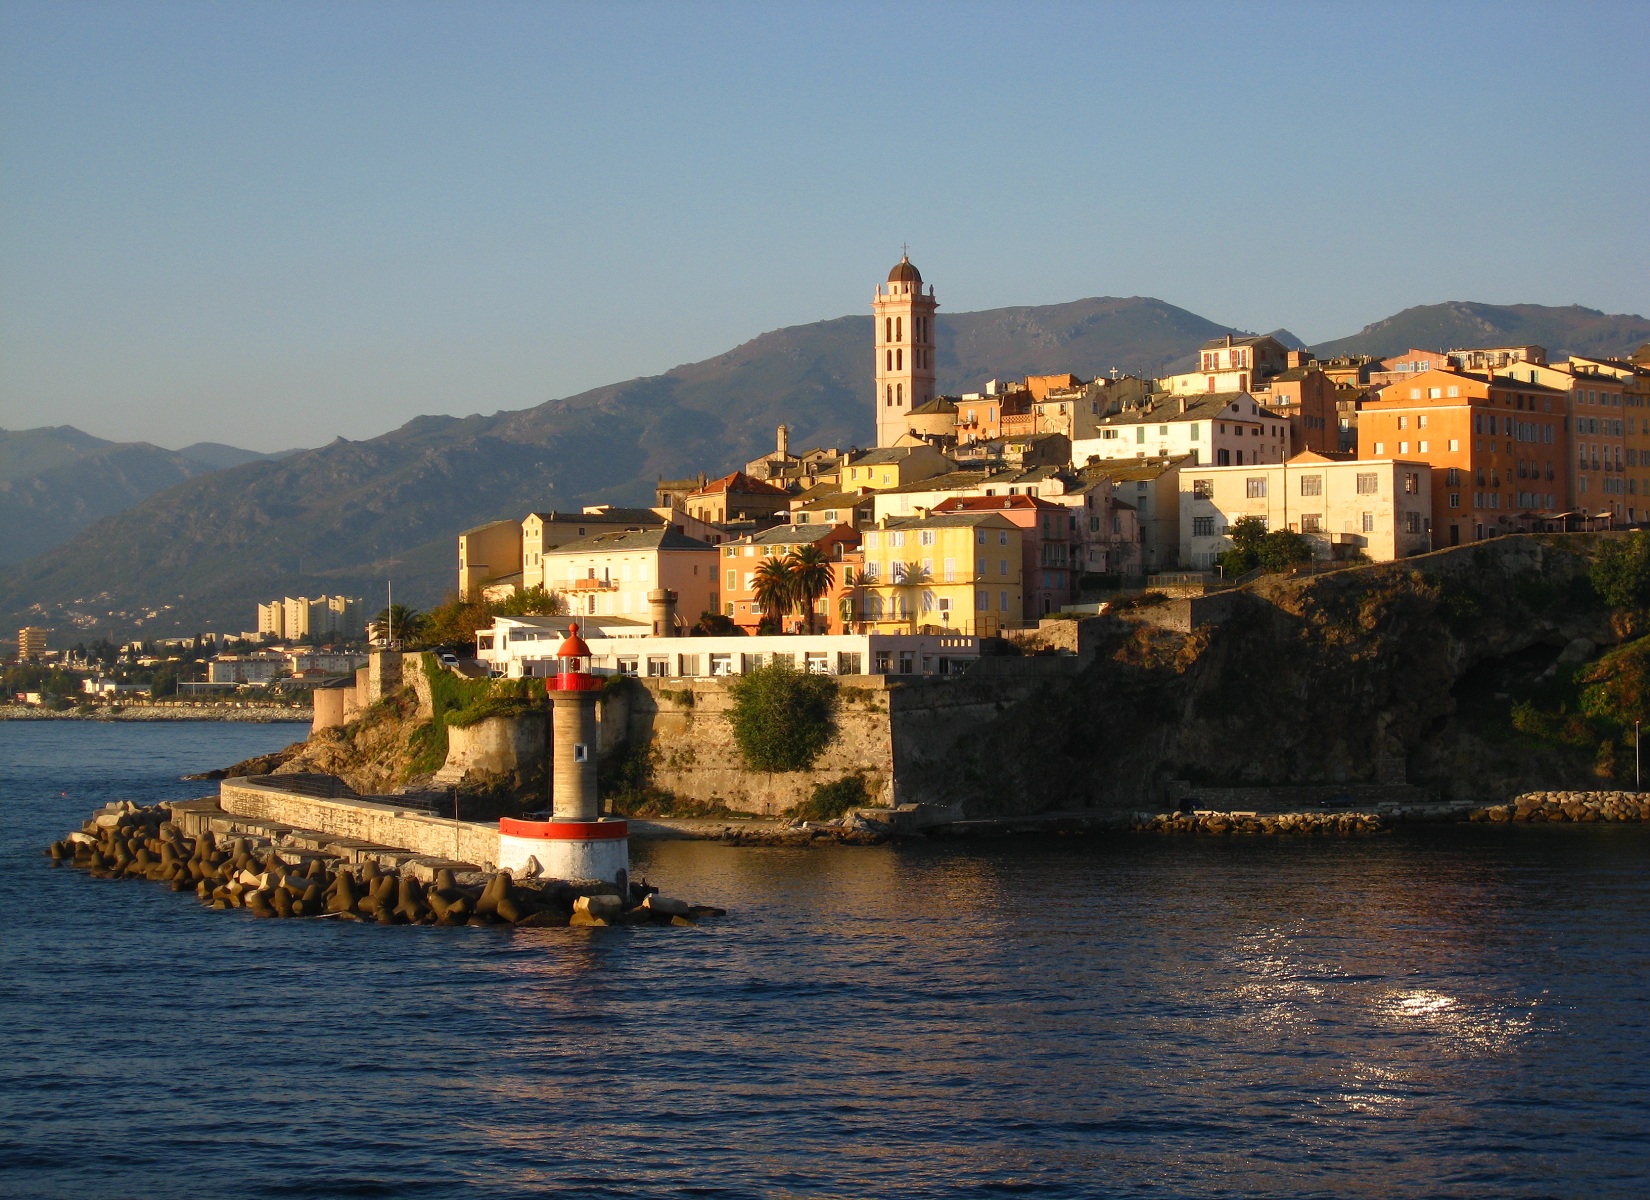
x,y
890,729
269,798
684,724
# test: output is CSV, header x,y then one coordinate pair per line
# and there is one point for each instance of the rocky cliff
x,y
1428,669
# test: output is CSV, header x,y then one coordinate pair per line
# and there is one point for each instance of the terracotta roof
x,y
986,503
1201,407
740,482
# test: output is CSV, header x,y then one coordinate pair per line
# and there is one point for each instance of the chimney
x,y
1228,339
1183,404
661,602
784,441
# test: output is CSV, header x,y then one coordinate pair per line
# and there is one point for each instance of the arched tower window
x,y
899,360
899,395
899,329
888,329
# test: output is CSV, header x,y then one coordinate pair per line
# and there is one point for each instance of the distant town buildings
x,y
993,509
31,643
321,617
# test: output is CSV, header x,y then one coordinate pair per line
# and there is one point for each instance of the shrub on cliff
x,y
1620,574
1253,546
781,717
830,800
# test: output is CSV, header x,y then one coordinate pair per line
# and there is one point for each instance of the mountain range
x,y
55,481
348,516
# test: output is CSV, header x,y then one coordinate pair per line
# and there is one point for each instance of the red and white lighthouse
x,y
576,842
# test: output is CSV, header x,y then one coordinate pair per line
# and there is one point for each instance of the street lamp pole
x,y
1638,768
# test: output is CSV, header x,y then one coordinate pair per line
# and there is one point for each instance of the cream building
x,y
487,554
1382,507
1218,428
612,573
1233,364
903,318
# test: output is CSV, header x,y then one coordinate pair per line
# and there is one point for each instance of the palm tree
x,y
910,576
812,576
397,620
771,585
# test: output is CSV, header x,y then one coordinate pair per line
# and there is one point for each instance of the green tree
x,y
1246,534
454,623
774,590
1283,548
1620,573
531,602
782,718
715,624
812,577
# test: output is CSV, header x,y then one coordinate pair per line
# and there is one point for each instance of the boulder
x,y
604,908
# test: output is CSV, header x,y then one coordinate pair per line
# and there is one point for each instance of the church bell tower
x,y
903,316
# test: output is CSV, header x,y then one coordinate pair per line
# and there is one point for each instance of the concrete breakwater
x,y
124,841
1570,806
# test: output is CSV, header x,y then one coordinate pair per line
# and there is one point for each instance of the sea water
x,y
1444,1012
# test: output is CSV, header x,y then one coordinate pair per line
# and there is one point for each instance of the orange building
x,y
740,558
1307,398
1498,449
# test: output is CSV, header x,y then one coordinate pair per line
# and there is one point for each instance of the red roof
x,y
574,646
740,482
991,503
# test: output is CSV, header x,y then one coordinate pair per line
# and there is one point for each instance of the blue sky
x,y
273,224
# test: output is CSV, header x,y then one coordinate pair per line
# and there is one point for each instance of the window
x,y
1421,421
1311,522
1412,522
950,570
1203,527
926,537
1369,523
1002,566
1203,489
1380,448
1420,447
1403,422
1140,435
1454,445
1311,485
1002,601
1369,483
1403,447
733,580
982,601
1454,390
1412,482
1002,537
1455,499
1255,489
1195,435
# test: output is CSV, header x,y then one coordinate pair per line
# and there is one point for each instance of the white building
x,y
525,647
1216,428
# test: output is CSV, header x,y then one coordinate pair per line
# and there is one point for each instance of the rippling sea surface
x,y
1456,1012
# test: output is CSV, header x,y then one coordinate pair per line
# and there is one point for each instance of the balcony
x,y
592,585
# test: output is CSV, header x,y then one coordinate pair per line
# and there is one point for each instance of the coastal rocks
x,y
125,841
1579,807
1219,823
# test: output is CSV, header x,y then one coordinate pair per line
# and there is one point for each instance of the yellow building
x,y
487,554
893,466
959,572
543,532
611,574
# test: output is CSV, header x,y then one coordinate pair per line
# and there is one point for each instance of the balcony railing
x,y
593,585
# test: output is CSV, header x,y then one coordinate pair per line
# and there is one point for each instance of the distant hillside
x,y
347,516
56,481
1458,324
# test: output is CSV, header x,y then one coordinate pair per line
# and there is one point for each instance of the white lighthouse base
x,y
567,849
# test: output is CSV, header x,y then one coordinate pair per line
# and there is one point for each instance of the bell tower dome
x,y
903,317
